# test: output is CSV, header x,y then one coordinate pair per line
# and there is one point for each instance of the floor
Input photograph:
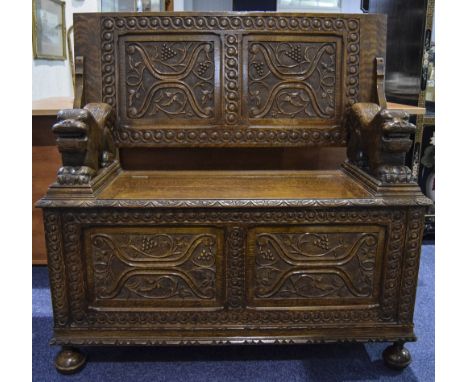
x,y
323,363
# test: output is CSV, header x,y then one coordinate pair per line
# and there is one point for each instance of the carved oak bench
x,y
231,257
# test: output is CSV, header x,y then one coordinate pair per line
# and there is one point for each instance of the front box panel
x,y
313,266
154,267
221,269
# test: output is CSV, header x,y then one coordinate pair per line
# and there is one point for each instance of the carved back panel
x,y
230,79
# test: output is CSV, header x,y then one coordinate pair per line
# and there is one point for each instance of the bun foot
x,y
69,360
396,356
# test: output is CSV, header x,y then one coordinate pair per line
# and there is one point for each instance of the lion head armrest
x,y
378,140
85,142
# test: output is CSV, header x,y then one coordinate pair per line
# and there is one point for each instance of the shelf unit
x,y
409,31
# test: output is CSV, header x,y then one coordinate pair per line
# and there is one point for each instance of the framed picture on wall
x,y
49,33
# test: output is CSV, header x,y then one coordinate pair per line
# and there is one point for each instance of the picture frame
x,y
49,30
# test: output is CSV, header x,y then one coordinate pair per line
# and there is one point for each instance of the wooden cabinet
x,y
45,163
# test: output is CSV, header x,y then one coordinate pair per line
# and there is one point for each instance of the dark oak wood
x,y
230,95
160,185
69,360
397,356
232,158
204,250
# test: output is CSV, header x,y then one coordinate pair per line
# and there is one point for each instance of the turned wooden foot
x,y
69,360
396,356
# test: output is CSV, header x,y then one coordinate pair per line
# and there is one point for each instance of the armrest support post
x,y
84,139
378,138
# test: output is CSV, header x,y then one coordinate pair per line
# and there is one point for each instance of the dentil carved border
x,y
74,220
112,26
235,203
217,341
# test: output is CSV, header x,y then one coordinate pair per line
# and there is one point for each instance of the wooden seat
x,y
232,185
221,253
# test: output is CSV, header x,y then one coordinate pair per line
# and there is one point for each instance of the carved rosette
x,y
108,62
352,78
231,78
236,254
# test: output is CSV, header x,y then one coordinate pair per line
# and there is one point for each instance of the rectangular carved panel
x,y
235,301
234,79
293,78
157,267
168,79
316,265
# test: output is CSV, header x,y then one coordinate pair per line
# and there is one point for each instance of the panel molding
x,y
233,129
155,267
80,314
315,265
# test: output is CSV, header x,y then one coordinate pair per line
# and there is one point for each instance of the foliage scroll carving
x,y
135,266
169,80
314,265
292,80
386,311
222,121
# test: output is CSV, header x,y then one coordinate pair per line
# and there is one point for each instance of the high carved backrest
x,y
229,79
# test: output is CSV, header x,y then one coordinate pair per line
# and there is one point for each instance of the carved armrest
x,y
85,142
378,140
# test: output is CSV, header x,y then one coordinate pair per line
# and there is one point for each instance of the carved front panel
x,y
235,303
293,78
169,80
314,265
156,267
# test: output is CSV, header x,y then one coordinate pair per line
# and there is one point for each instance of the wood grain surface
x,y
214,219
45,163
233,185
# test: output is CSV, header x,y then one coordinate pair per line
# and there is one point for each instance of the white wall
x,y
351,6
206,5
53,78
347,6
